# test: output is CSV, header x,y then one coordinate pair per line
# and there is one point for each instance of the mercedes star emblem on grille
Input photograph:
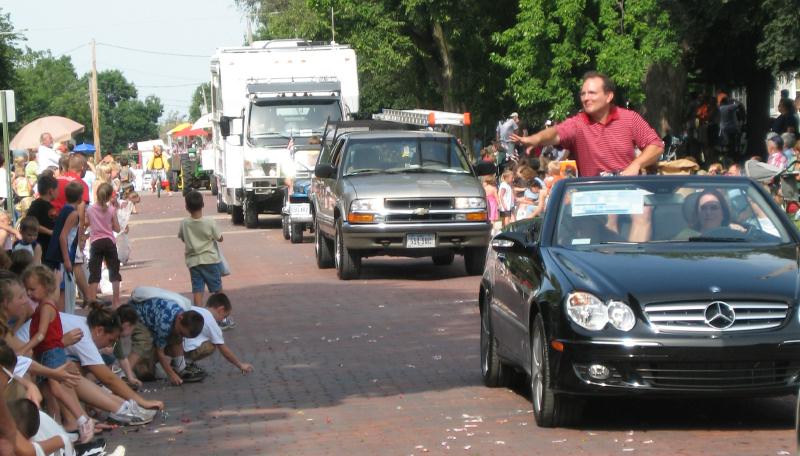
x,y
719,315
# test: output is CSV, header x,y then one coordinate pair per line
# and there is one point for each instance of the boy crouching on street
x,y
218,307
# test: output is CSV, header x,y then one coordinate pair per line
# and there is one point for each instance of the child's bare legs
x,y
67,396
91,292
197,298
80,280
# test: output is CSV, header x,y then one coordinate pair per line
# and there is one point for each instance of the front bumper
x,y
390,238
748,366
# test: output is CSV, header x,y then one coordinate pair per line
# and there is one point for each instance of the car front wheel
x,y
474,260
491,366
348,264
322,249
549,409
285,227
296,233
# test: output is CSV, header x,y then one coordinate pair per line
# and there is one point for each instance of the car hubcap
x,y
536,372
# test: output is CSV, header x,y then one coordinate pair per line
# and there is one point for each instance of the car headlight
x,y
366,205
620,316
470,203
587,310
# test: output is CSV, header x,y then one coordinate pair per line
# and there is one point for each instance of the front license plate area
x,y
420,241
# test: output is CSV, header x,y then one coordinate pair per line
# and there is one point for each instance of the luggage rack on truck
x,y
424,117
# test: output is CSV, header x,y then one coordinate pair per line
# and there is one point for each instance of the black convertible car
x,y
651,285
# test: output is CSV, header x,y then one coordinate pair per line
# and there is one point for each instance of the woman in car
x,y
708,211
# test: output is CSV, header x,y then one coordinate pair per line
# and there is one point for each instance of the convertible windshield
x,y
625,213
279,121
406,155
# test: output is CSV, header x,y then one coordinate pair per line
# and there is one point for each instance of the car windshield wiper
x,y
365,171
716,239
618,243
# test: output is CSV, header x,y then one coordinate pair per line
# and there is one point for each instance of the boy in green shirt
x,y
200,236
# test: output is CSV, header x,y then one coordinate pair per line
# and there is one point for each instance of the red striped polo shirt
x,y
607,147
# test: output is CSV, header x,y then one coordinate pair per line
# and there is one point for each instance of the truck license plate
x,y
420,241
300,209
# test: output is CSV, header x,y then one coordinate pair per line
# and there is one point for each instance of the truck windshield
x,y
272,120
405,155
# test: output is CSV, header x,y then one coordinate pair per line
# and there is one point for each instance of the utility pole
x,y
6,100
95,106
333,28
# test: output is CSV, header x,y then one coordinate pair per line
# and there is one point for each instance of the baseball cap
x,y
514,114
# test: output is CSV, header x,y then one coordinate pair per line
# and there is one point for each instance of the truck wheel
x,y
474,260
444,259
348,264
322,249
296,234
187,175
250,214
212,182
237,215
221,206
285,227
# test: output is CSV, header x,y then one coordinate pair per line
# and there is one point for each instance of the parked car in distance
x,y
648,285
398,193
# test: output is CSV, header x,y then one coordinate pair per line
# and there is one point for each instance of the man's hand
x,y
72,337
527,140
632,170
135,382
158,405
68,266
246,368
175,379
34,395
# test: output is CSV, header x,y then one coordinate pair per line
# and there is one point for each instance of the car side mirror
x,y
324,171
485,169
225,126
510,242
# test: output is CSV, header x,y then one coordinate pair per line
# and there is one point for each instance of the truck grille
x,y
417,203
690,317
414,218
746,374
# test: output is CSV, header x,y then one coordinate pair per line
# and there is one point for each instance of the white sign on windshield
x,y
607,202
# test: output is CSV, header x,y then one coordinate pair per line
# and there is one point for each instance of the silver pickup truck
x,y
398,193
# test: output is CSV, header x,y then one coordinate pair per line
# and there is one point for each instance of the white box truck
x,y
270,103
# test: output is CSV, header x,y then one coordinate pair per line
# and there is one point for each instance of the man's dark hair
x,y
73,192
193,321
47,182
102,317
123,161
127,314
608,84
26,416
194,201
219,300
8,358
63,163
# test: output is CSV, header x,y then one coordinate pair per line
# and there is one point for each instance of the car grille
x,y
414,218
690,316
718,375
417,203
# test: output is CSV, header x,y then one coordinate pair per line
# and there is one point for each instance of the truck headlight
x,y
620,315
366,205
470,203
587,311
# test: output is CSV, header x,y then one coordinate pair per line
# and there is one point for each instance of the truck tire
x,y
221,206
444,259
213,184
322,249
187,175
474,260
285,227
348,264
250,214
296,233
237,215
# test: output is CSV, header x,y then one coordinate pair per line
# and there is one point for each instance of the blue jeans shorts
x,y
53,358
203,275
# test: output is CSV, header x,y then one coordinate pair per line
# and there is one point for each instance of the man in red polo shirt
x,y
602,137
75,171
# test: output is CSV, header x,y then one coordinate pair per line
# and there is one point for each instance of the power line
x,y
167,86
72,50
146,51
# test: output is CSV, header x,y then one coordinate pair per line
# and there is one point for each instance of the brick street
x,y
388,364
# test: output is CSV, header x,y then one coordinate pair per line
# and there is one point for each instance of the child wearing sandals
x,y
45,341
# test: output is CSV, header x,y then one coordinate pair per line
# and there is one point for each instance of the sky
x,y
188,27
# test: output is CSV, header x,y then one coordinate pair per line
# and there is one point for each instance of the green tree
x,y
200,101
553,43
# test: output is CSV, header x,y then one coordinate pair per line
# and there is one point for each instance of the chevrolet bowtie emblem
x,y
421,211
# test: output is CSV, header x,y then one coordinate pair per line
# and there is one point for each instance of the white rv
x,y
268,101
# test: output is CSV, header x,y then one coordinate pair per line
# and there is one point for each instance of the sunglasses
x,y
10,375
708,207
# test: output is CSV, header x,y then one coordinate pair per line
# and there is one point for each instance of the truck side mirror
x,y
234,140
324,171
485,169
225,126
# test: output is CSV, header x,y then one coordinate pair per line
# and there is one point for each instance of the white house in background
x,y
790,83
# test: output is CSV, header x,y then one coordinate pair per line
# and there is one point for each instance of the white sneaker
x,y
143,412
86,430
118,451
130,415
